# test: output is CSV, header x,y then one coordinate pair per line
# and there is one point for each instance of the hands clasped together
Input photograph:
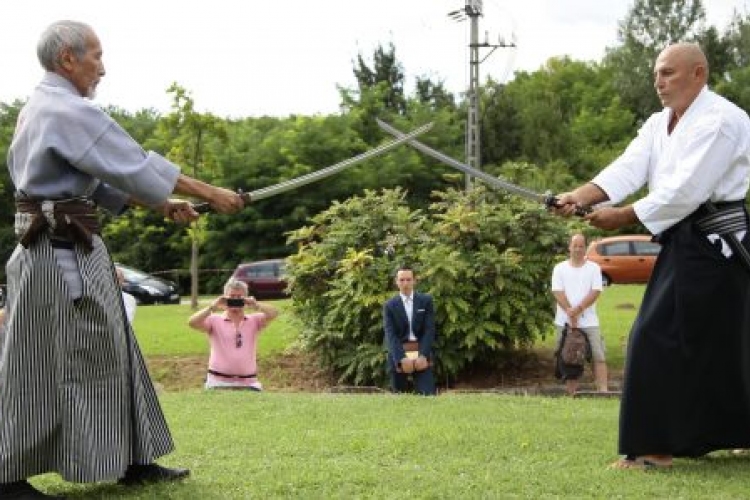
x,y
418,364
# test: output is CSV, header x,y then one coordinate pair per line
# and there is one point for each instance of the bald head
x,y
680,73
578,239
577,248
687,54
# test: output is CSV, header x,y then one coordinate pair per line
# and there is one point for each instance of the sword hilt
x,y
551,201
205,207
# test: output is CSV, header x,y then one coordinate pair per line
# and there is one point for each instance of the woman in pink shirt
x,y
233,336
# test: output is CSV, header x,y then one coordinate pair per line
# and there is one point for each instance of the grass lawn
x,y
373,446
458,446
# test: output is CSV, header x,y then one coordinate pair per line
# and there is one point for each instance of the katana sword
x,y
282,187
547,199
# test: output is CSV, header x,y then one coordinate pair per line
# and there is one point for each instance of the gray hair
x,y
233,284
59,36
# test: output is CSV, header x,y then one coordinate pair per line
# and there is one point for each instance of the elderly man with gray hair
x,y
76,397
233,336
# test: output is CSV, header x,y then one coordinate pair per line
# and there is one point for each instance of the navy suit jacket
x,y
396,326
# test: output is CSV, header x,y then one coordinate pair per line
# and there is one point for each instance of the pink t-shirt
x,y
226,356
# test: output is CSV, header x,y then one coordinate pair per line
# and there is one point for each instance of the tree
x,y
385,69
718,54
434,95
502,128
565,117
380,90
737,43
187,132
737,87
647,29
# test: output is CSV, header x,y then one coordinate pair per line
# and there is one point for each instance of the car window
x,y
265,270
132,275
646,248
616,248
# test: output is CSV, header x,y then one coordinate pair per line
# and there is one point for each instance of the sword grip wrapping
x,y
551,201
202,208
205,207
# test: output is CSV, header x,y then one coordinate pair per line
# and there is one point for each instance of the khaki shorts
x,y
594,334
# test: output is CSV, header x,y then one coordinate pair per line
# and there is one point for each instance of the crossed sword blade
x,y
547,199
282,187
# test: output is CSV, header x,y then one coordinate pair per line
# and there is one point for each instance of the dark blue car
x,y
149,289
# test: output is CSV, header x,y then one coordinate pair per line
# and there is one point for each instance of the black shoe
x,y
151,473
22,490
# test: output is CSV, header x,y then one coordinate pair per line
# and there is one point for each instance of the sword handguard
x,y
204,208
551,201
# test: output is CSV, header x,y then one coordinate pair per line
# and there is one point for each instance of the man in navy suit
x,y
409,320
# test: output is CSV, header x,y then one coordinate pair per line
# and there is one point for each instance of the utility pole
x,y
473,10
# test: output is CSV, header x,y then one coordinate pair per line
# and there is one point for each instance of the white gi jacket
x,y
705,157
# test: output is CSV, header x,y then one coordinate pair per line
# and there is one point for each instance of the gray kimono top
x,y
66,147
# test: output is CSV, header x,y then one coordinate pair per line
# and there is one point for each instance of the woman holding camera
x,y
233,336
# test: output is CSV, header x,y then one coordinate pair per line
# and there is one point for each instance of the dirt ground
x,y
297,372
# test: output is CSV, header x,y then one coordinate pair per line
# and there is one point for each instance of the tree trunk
x,y
194,275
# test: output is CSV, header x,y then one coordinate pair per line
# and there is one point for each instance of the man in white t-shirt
x,y
576,284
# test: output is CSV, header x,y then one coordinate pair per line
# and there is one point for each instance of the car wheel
x,y
606,281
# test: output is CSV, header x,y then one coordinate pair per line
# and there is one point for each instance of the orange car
x,y
624,259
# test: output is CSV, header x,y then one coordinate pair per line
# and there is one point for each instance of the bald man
x,y
576,286
686,385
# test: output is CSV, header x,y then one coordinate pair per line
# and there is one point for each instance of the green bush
x,y
486,258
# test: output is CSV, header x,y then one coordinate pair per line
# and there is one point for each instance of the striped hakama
x,y
75,396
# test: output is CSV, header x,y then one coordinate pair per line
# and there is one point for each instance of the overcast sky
x,y
251,58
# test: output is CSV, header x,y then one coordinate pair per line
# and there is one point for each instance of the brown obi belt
x,y
69,221
227,375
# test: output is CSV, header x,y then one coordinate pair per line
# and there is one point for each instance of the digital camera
x,y
235,302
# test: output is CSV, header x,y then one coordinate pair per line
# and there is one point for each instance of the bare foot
x,y
645,462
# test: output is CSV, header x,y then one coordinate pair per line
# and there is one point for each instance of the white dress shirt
x,y
408,301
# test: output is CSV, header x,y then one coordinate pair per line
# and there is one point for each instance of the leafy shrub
x,y
486,259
